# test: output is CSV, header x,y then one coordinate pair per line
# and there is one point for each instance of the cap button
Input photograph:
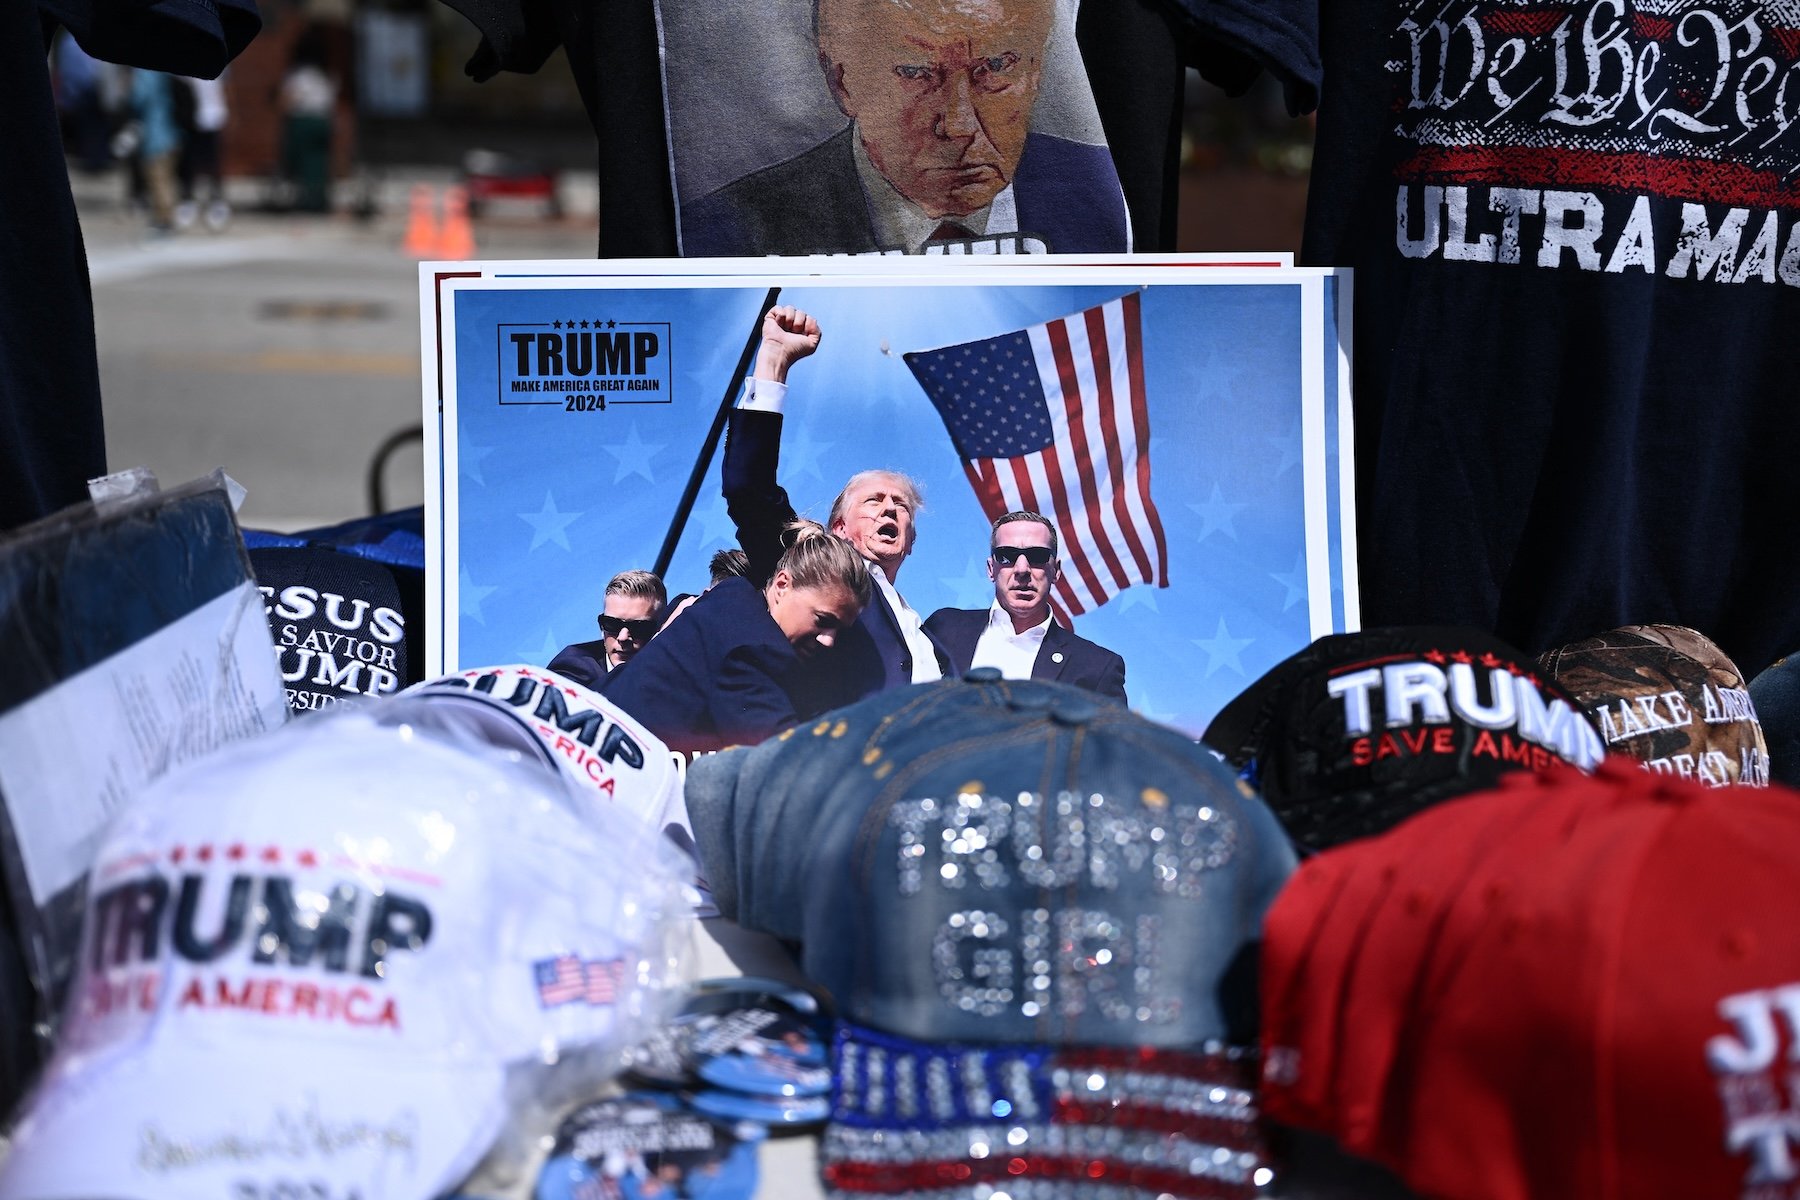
x,y
982,675
1073,710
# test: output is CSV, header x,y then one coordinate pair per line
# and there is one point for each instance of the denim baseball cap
x,y
1036,914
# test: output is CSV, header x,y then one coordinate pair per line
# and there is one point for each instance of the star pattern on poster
x,y
1294,581
1220,375
469,459
1138,597
1144,705
971,589
1222,650
548,524
469,596
1289,445
633,455
1216,515
716,524
800,456
544,651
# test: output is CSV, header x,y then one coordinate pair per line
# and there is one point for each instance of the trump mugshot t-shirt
x,y
869,126
748,92
1573,225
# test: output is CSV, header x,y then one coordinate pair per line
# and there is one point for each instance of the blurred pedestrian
x,y
308,98
199,161
158,143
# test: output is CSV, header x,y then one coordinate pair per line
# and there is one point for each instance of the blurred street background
x,y
263,316
284,349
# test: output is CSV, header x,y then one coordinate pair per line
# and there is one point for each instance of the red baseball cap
x,y
1340,961
1570,986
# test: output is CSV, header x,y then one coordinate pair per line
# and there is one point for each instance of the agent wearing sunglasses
x,y
1016,633
632,614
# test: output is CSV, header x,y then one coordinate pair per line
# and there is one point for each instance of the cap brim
x,y
711,793
1241,730
172,1123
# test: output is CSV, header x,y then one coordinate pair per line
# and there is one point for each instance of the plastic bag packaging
x,y
135,642
354,957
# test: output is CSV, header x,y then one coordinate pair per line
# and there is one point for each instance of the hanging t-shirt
x,y
865,126
1577,285
758,97
50,436
51,442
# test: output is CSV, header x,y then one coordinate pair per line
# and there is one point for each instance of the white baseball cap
x,y
603,752
311,962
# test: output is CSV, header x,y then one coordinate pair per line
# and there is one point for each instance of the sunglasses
x,y
640,630
1037,556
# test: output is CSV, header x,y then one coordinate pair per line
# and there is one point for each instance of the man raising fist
x,y
875,511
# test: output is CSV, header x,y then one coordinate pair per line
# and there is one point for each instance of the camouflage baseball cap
x,y
1667,695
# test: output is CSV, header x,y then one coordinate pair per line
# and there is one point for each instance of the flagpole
x,y
711,445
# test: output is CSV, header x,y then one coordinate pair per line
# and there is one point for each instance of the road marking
x,y
296,362
154,258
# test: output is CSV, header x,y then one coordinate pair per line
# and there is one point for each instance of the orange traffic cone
x,y
421,224
457,239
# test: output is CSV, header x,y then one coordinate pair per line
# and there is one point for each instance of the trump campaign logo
x,y
585,363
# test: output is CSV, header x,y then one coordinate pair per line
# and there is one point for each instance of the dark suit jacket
x,y
584,662
715,678
1065,192
1064,657
871,655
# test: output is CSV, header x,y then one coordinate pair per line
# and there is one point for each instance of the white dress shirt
x,y
1014,653
924,655
762,395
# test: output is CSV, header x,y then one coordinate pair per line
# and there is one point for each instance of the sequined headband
x,y
1040,1123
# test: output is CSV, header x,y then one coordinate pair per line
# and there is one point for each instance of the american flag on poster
x,y
560,980
1052,419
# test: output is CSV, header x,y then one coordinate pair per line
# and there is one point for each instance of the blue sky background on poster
x,y
546,504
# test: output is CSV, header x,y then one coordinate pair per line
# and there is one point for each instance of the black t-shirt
x,y
1134,53
51,439
1573,224
50,436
